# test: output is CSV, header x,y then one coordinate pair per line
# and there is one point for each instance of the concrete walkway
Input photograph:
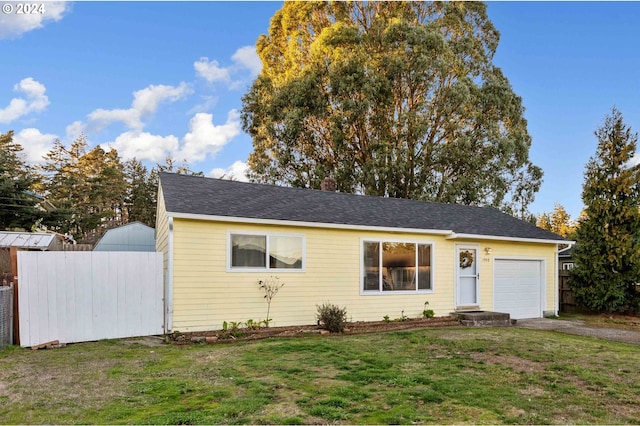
x,y
579,328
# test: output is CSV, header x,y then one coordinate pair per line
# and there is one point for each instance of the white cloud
x,y
35,144
211,70
247,57
35,100
237,171
143,146
103,117
207,103
74,129
145,102
14,24
244,59
205,138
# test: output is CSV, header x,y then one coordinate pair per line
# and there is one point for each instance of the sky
x,y
156,78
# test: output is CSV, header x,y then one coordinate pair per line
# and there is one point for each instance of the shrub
x,y
332,317
427,313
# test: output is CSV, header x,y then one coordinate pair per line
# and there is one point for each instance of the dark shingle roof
x,y
216,197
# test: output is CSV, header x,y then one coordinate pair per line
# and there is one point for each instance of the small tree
x,y
607,259
270,287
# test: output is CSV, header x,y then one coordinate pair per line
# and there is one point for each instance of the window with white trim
x,y
390,266
265,252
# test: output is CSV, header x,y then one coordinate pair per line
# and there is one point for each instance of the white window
x,y
393,266
567,266
259,252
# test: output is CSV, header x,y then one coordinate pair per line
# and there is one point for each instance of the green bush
x,y
332,317
428,313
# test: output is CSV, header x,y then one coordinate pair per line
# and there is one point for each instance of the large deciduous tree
x,y
396,99
607,255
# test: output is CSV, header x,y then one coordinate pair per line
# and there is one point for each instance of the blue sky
x,y
158,78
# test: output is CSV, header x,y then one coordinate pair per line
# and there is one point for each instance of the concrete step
x,y
483,318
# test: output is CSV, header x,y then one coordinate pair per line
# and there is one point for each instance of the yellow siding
x,y
205,294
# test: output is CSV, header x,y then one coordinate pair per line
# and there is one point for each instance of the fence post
x,y
13,254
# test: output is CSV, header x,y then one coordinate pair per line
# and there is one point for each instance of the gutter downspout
x,y
556,279
168,289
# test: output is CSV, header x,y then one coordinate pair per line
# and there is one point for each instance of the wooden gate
x,y
86,296
567,296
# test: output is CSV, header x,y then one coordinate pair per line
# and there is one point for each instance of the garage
x,y
517,287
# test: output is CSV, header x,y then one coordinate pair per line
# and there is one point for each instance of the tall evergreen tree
x,y
607,255
17,202
397,99
89,186
141,193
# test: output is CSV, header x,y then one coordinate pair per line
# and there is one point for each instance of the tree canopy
x,y
558,221
607,259
17,203
396,99
93,190
88,187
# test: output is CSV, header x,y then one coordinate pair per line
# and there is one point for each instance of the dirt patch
x,y
626,322
581,328
513,362
360,327
149,341
533,391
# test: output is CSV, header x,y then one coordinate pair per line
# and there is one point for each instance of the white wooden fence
x,y
86,296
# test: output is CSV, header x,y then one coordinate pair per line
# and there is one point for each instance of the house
x,y
134,236
374,256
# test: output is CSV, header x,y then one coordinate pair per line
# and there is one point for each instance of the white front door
x,y
468,275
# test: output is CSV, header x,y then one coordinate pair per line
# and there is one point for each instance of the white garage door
x,y
518,288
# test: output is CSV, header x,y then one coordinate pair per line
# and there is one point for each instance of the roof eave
x,y
250,220
449,234
456,236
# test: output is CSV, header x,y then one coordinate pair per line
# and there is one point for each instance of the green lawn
x,y
448,375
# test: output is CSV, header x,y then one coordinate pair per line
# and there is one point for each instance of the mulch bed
x,y
359,327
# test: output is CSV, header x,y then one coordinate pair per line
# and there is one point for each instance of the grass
x,y
450,376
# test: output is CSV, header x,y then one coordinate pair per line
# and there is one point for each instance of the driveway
x,y
579,328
